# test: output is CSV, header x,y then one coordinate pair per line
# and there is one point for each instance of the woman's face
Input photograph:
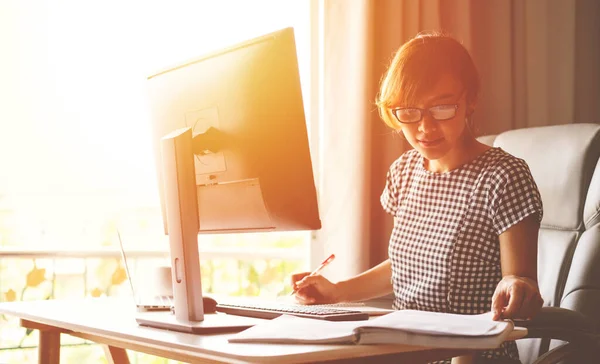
x,y
436,139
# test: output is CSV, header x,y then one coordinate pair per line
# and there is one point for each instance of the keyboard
x,y
156,303
270,310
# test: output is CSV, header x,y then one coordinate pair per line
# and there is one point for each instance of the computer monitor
x,y
232,154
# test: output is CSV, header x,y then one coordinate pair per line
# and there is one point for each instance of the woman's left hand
x,y
516,298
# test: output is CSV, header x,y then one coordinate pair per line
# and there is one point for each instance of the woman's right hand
x,y
314,289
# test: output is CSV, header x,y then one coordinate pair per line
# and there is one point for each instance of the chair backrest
x,y
564,161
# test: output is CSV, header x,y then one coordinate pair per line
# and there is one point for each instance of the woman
x,y
466,215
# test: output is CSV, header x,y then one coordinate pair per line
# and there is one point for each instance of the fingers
x,y
309,290
298,276
314,289
294,278
515,302
499,301
309,281
305,296
516,299
302,283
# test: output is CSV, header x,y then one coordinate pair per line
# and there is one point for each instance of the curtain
x,y
538,62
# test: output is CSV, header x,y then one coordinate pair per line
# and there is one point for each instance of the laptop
x,y
147,303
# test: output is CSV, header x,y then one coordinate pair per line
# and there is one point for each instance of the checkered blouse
x,y
444,248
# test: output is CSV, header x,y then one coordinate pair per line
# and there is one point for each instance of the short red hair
x,y
418,65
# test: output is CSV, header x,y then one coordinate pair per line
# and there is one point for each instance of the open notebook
x,y
408,327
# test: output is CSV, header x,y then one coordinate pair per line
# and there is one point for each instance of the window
x,y
76,138
75,146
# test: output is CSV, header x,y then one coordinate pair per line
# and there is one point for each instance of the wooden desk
x,y
111,322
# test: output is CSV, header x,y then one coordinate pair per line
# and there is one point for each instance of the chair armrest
x,y
562,324
557,354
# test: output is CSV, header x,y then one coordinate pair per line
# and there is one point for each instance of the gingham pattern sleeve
x,y
393,181
389,196
514,196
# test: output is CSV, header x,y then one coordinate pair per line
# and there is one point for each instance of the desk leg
x,y
49,350
115,355
49,345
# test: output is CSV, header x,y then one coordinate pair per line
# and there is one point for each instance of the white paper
x,y
430,329
295,329
233,205
435,323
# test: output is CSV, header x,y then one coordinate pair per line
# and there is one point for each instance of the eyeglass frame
x,y
422,111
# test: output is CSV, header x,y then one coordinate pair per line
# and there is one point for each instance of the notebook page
x,y
435,323
293,329
433,341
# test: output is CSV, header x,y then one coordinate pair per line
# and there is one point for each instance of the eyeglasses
x,y
412,115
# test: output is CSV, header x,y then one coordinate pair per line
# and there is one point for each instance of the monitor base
x,y
212,324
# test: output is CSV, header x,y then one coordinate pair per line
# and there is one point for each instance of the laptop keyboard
x,y
165,300
269,310
158,302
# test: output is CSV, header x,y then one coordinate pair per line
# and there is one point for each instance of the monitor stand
x,y
213,323
183,225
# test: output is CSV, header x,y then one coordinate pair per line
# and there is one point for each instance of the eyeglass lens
x,y
439,112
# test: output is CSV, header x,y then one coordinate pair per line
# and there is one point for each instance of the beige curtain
x,y
539,65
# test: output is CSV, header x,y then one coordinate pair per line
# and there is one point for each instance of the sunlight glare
x,y
75,139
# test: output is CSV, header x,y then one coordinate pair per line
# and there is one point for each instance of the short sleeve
x,y
389,197
514,195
